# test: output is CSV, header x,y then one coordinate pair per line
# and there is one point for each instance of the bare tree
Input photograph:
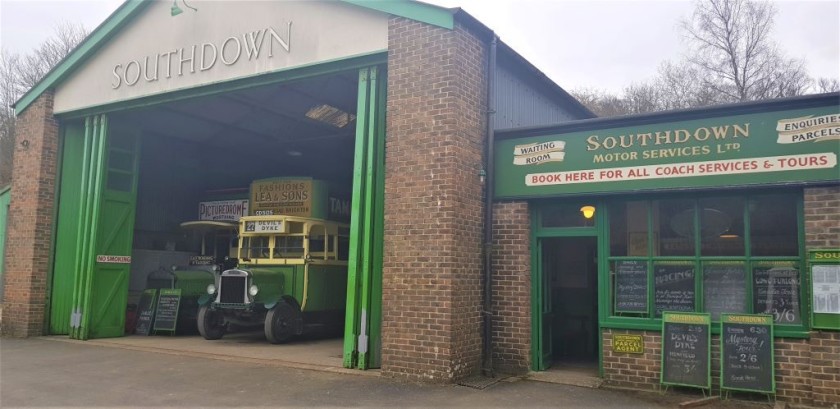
x,y
730,41
827,85
19,73
600,102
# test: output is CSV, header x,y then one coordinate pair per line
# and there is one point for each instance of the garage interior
x,y
211,148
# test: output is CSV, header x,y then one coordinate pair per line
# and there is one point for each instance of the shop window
x,y
722,226
674,221
773,226
629,229
715,254
568,215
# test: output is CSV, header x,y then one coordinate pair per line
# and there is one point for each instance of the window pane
x,y
773,226
673,286
724,288
629,229
674,222
776,291
566,215
630,288
722,226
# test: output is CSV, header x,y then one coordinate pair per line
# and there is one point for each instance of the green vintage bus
x,y
291,278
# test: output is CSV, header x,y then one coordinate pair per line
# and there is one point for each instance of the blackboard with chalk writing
x,y
746,359
673,285
166,317
686,349
776,288
146,312
631,286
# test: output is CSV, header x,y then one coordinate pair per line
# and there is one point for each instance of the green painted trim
x,y
82,52
292,74
412,10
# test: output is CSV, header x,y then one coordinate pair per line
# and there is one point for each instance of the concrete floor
x,y
317,354
45,373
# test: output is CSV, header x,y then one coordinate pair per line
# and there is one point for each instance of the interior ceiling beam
x,y
300,120
225,125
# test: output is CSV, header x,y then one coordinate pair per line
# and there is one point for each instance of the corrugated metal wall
x,y
523,102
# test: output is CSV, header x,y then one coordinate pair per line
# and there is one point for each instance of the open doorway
x,y
570,303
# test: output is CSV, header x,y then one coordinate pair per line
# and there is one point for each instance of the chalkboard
x,y
776,292
686,349
724,288
631,287
166,317
673,287
146,312
746,359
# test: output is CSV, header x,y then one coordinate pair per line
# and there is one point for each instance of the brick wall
x,y
807,370
822,217
431,289
825,368
511,287
29,234
637,371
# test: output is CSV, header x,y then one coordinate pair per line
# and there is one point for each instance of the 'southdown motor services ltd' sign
x,y
766,148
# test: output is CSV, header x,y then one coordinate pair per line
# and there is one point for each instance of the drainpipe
x,y
487,361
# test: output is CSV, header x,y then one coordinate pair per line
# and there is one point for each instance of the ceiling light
x,y
330,115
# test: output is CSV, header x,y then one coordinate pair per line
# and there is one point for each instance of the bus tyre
x,y
211,324
281,322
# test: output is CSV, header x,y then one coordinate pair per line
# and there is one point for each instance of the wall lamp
x,y
588,211
175,10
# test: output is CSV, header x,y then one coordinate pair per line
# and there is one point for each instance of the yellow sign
x,y
628,344
289,197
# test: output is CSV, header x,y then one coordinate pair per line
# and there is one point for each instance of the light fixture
x,y
482,175
175,10
292,152
330,115
588,211
728,234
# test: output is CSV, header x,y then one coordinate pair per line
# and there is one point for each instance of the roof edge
x,y
413,10
676,115
553,87
85,49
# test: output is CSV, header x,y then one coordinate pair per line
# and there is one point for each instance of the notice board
x,y
166,316
146,312
746,358
686,349
824,266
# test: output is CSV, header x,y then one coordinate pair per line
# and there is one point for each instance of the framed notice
x,y
746,357
824,266
686,349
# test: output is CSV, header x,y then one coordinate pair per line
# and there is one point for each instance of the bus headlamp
x,y
253,290
211,289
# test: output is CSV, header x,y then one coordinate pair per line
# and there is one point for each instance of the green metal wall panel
x,y
64,271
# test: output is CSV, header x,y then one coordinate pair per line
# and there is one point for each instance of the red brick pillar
x,y
512,287
30,224
822,217
431,320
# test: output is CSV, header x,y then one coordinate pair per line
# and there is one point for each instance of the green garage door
x,y
94,235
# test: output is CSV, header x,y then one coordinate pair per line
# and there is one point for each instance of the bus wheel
x,y
281,322
211,324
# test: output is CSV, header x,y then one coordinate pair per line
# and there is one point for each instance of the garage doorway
x,y
327,126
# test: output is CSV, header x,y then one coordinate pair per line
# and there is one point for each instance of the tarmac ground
x,y
44,373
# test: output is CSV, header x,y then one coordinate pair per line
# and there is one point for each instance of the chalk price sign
x,y
686,349
746,358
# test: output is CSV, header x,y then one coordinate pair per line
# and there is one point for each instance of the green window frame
x,y
645,317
